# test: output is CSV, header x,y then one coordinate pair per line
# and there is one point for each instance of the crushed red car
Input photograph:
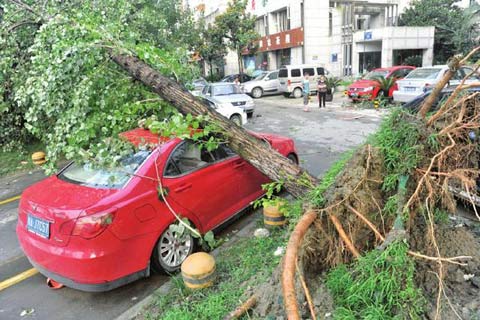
x,y
95,229
368,89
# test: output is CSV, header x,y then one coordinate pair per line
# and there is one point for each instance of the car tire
x,y
236,119
297,93
292,158
168,254
257,92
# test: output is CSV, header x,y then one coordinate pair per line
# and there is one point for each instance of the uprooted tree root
x,y
448,158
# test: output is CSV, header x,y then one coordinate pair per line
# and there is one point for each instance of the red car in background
x,y
95,229
367,88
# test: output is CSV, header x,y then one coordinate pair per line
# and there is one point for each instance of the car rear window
x,y
372,75
295,73
89,175
424,73
283,73
223,90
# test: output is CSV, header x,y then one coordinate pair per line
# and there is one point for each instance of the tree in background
x,y
212,50
238,28
453,27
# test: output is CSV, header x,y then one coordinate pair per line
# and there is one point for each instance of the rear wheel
x,y
171,250
257,92
236,119
297,93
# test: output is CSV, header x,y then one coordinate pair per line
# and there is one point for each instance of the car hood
x,y
363,83
231,98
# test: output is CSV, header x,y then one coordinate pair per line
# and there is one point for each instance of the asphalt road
x,y
321,136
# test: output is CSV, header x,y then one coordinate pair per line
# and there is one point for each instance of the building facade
x,y
347,37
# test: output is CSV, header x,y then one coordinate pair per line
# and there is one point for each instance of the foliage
x,y
19,160
316,196
236,273
415,61
385,84
397,139
238,27
212,50
332,82
70,94
453,28
379,285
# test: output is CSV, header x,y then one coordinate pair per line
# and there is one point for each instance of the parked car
x,y
290,78
369,88
222,93
415,104
265,83
235,114
421,79
231,78
198,85
95,229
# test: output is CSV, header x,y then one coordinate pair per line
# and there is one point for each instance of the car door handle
x,y
183,187
239,164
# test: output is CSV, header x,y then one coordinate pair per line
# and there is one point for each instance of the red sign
x,y
282,40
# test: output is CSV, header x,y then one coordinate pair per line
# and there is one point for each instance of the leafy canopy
x,y
69,93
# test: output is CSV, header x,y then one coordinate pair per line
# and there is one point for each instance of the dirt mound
x,y
461,283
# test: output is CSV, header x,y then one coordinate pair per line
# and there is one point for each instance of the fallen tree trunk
x,y
271,163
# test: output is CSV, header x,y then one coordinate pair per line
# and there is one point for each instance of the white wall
x,y
316,32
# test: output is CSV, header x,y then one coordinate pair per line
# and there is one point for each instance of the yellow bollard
x,y
198,270
38,158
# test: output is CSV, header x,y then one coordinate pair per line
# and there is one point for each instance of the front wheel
x,y
257,92
297,93
236,119
292,158
171,250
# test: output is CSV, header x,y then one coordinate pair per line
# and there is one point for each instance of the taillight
x,y
88,227
289,82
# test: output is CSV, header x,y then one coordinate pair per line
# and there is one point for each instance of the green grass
x,y
379,285
18,160
247,263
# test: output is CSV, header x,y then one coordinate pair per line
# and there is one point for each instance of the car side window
x,y
310,71
459,75
397,74
205,89
320,71
295,73
406,72
222,152
273,76
186,157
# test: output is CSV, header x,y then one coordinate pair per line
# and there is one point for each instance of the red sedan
x,y
368,88
95,230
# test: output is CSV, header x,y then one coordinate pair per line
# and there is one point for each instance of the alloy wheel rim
x,y
174,248
257,93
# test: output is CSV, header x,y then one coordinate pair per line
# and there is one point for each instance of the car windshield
x,y
226,89
372,75
424,73
114,178
261,76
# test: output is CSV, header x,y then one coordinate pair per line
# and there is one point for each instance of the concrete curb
x,y
245,231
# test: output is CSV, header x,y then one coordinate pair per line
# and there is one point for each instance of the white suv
x,y
421,79
290,78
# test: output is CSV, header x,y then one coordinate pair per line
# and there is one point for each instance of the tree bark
x,y
267,160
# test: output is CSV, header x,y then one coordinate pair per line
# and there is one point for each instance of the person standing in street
x,y
306,91
321,91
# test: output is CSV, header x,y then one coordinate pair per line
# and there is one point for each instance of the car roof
x,y
140,136
393,68
301,66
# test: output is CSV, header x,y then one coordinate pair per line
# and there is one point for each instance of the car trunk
x,y
47,206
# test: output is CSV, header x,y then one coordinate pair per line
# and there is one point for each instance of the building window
x,y
281,21
330,24
260,27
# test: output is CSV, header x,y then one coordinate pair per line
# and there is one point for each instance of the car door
x,y
198,183
272,85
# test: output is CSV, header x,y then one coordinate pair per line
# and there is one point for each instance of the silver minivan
x,y
263,84
290,78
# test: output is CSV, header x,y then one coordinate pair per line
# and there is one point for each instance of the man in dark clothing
x,y
322,91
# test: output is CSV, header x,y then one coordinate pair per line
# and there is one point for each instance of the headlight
x,y
368,89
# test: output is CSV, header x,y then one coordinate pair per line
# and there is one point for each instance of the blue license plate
x,y
38,226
